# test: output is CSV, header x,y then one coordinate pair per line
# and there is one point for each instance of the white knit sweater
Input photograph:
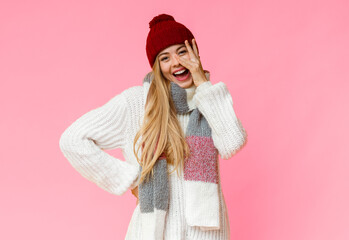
x,y
115,124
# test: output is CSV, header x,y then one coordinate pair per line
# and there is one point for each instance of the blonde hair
x,y
160,124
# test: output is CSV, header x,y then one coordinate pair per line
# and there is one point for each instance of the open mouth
x,y
183,75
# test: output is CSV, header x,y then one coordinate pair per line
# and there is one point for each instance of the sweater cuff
x,y
203,86
135,182
131,182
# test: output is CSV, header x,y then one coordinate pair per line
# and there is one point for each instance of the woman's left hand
x,y
194,64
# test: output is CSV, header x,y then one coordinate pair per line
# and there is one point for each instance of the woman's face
x,y
169,65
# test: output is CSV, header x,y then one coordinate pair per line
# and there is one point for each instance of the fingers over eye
x,y
195,48
191,53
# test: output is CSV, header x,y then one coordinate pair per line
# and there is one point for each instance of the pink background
x,y
284,62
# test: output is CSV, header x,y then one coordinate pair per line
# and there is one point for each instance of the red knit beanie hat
x,y
164,32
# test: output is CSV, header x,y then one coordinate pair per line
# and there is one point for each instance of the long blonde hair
x,y
160,124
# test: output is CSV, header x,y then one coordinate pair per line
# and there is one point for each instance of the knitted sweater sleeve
x,y
82,143
216,104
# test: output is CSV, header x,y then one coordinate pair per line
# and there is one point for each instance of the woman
x,y
177,121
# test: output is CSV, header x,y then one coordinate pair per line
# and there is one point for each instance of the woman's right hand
x,y
135,193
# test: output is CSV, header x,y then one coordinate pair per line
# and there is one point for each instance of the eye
x,y
164,58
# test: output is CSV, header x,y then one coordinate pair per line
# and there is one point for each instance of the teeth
x,y
179,72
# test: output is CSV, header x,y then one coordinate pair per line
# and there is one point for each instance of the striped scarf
x,y
200,174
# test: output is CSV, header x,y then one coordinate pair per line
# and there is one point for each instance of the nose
x,y
174,61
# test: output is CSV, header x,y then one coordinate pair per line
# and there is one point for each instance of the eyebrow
x,y
176,49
